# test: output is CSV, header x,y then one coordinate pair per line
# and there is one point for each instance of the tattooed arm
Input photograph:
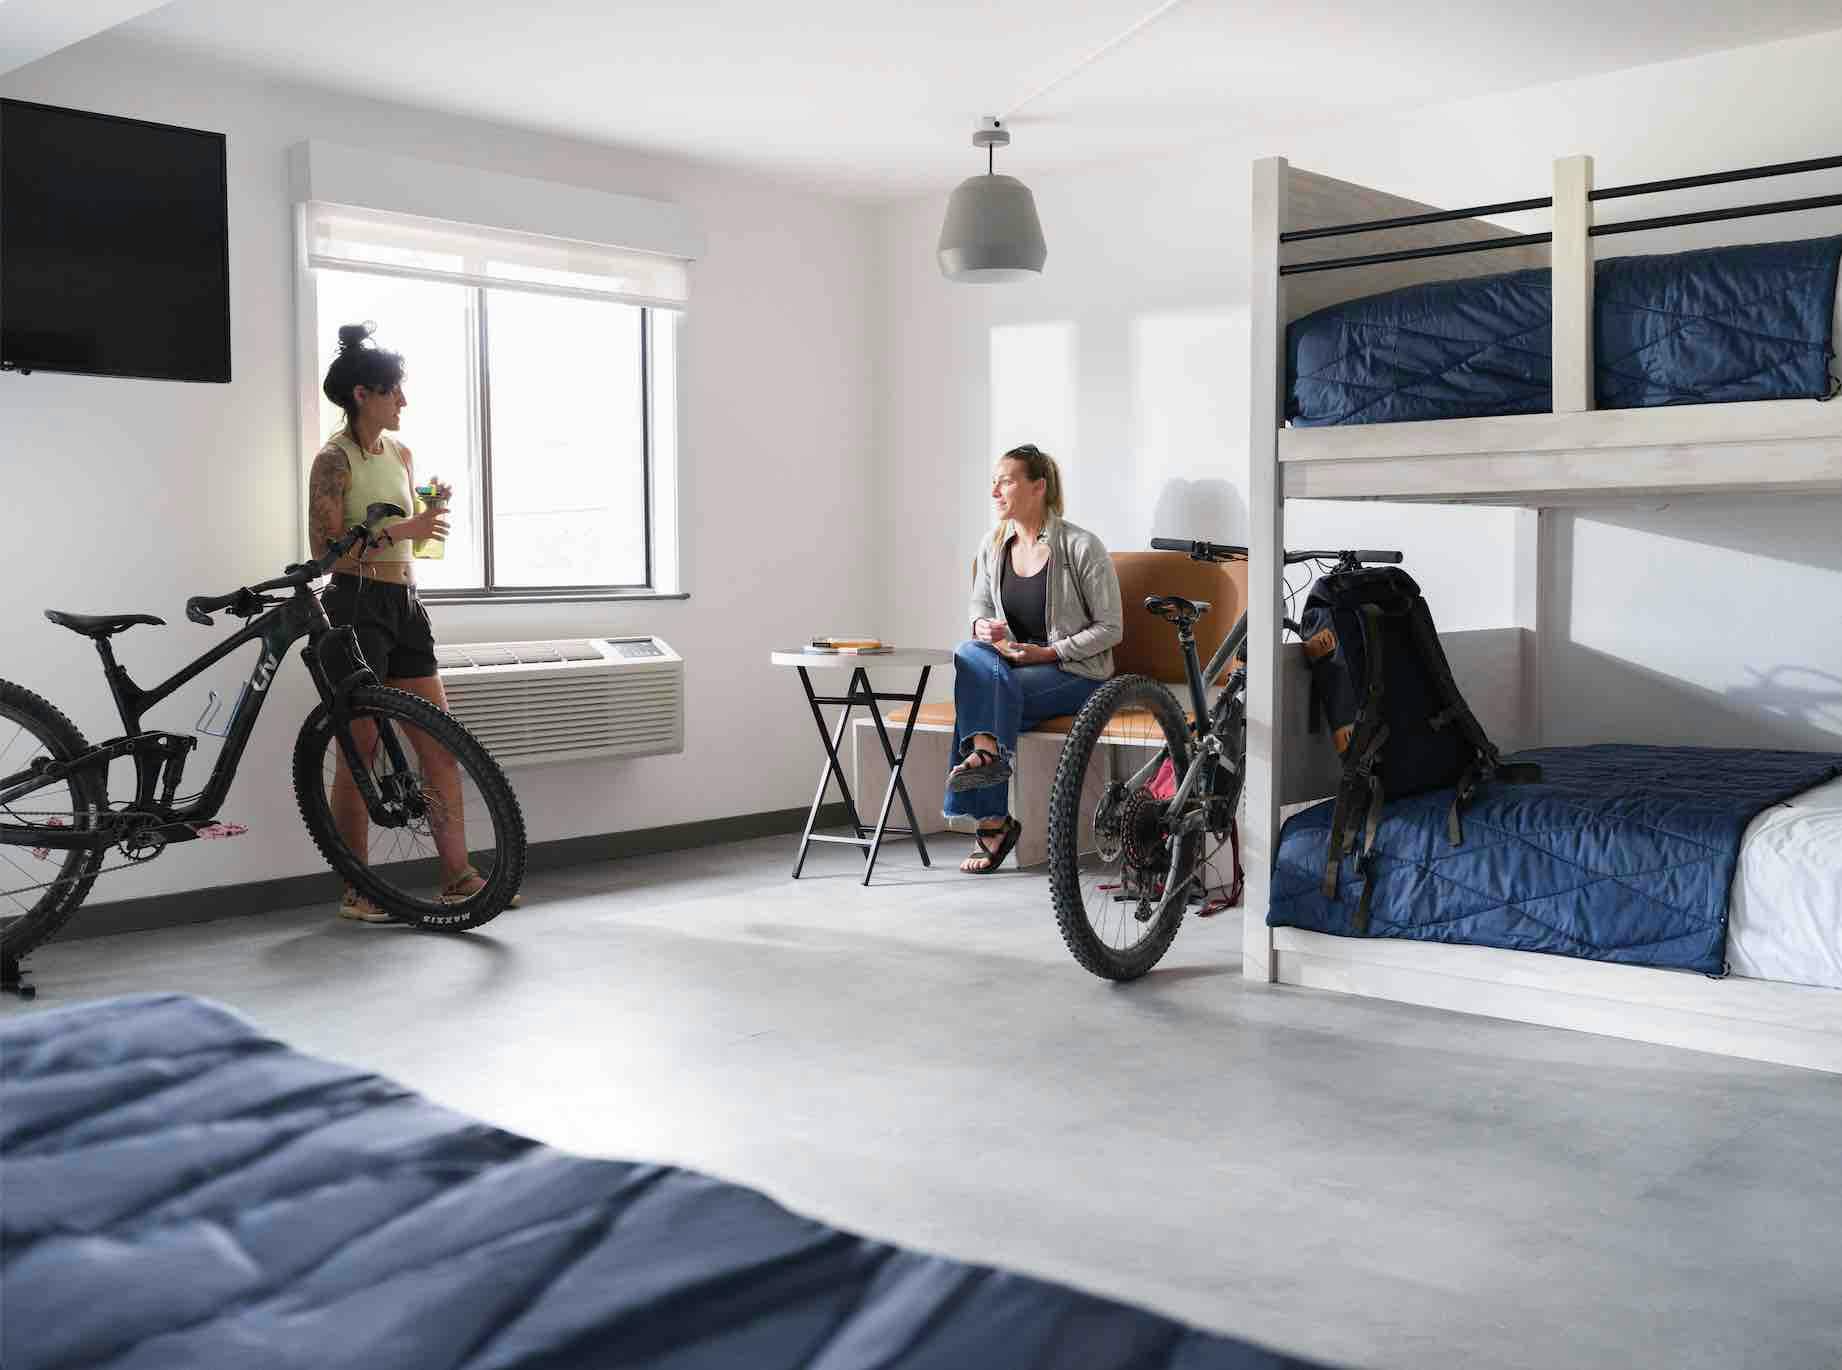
x,y
326,486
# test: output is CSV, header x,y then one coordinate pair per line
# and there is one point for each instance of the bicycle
x,y
1126,857
57,801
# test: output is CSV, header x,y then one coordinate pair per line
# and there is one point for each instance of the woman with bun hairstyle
x,y
1045,617
373,590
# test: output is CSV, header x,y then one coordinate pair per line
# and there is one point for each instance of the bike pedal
x,y
215,830
40,853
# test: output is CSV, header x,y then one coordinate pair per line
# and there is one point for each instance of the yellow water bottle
x,y
429,496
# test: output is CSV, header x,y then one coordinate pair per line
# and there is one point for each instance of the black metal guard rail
x,y
1596,231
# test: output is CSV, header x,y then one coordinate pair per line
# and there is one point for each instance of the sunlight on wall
x,y
1676,608
1189,426
1033,389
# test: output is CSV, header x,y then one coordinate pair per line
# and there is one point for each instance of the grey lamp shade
x,y
991,232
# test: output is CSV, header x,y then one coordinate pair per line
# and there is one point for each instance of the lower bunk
x,y
1690,896
179,1190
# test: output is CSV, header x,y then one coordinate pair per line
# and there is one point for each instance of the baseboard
x,y
292,892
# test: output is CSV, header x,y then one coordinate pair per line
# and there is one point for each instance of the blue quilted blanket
x,y
1620,853
179,1191
1710,326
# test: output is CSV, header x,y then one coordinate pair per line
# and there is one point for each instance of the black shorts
x,y
392,626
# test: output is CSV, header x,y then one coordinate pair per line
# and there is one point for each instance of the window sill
x,y
439,597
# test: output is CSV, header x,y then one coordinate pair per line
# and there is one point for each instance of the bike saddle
x,y
1177,609
101,625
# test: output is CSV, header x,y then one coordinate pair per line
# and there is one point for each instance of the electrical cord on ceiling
x,y
1138,26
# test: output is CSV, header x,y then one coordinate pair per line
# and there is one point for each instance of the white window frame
x,y
448,197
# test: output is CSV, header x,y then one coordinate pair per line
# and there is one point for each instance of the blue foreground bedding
x,y
1620,853
1704,327
178,1190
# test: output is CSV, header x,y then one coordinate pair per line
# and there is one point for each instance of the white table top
x,y
901,656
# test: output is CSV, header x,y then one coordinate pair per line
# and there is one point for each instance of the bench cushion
x,y
1130,725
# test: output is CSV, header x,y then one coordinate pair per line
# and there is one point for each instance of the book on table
x,y
848,646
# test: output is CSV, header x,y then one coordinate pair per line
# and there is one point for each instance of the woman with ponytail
x,y
373,590
1045,615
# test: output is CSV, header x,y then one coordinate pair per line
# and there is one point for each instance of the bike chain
x,y
122,821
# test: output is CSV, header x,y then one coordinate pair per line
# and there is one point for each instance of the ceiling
x,y
876,98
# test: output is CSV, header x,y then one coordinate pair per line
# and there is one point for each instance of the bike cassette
x,y
1145,835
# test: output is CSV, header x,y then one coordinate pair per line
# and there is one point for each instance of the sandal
x,y
994,856
361,908
993,770
469,883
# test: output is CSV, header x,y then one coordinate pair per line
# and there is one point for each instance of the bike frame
x,y
158,754
1232,646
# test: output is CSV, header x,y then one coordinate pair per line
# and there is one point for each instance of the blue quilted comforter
x,y
1720,324
1620,853
179,1191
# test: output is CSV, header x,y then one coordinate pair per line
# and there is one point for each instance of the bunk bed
x,y
1320,245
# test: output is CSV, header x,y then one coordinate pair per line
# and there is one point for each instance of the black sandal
x,y
995,771
994,856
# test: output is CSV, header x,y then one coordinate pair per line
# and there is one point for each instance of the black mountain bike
x,y
1127,854
417,771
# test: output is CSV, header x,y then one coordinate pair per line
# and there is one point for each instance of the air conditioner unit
x,y
567,700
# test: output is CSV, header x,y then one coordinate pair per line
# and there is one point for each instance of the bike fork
x,y
360,768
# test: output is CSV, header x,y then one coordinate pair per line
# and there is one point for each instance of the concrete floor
x,y
1369,1183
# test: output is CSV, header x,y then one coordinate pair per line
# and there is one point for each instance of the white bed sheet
x,y
1784,918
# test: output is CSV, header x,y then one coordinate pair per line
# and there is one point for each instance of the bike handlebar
x,y
1200,551
1218,551
247,599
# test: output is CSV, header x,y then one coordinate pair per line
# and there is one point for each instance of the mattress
x,y
1716,325
1785,919
1619,853
180,1192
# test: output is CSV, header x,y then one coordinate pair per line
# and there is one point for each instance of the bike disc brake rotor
x,y
1109,832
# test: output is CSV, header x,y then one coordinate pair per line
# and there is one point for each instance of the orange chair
x,y
1149,647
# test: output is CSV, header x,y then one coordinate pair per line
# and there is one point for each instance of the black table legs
x,y
870,839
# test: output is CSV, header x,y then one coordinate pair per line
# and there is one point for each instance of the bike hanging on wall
x,y
422,777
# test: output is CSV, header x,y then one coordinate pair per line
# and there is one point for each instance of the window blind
x,y
343,238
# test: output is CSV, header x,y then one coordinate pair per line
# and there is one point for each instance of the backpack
x,y
1380,678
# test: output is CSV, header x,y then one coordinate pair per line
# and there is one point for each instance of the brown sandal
x,y
994,856
466,886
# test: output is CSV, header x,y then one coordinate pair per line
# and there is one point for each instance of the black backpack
x,y
1380,677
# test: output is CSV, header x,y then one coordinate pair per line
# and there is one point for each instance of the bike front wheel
x,y
1110,843
444,806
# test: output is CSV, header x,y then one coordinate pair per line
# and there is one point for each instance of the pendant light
x,y
991,233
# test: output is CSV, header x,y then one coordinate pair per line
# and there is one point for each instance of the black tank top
x,y
1026,602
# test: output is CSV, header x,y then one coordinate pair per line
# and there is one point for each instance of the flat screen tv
x,y
114,246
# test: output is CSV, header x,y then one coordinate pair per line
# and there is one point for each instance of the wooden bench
x,y
1148,648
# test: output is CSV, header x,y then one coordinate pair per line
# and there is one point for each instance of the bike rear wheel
x,y
400,863
1110,848
39,892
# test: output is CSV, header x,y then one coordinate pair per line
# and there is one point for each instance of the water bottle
x,y
428,496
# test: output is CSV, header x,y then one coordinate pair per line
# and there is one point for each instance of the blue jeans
x,y
992,696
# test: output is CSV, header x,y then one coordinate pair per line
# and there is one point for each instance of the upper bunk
x,y
1320,242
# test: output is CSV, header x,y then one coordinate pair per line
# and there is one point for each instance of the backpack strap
x,y
1488,763
1359,796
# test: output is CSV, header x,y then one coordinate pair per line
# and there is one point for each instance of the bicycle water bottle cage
x,y
1177,610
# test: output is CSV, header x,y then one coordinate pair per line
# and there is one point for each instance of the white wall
x,y
131,495
1706,621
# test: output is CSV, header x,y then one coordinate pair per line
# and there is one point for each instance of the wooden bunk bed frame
x,y
1304,228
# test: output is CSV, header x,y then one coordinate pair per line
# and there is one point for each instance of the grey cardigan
x,y
1081,599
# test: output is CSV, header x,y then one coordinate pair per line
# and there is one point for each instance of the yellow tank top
x,y
377,478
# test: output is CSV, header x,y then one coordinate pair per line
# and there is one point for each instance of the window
x,y
541,386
